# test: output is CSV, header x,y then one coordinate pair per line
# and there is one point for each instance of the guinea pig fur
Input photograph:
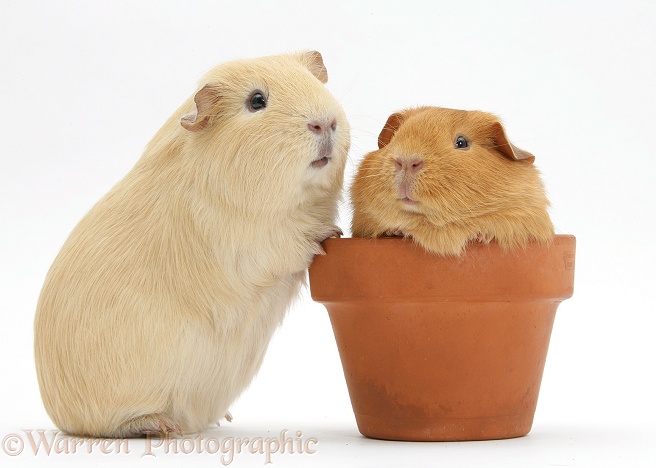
x,y
448,177
159,308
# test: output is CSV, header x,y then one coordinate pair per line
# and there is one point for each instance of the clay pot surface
x,y
442,348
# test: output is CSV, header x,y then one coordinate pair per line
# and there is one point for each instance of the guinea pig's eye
x,y
461,143
256,102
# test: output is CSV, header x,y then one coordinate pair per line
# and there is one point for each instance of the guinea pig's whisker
x,y
216,115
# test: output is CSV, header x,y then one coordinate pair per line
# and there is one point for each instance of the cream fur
x,y
491,191
158,310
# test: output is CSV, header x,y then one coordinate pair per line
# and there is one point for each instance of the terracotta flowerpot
x,y
442,348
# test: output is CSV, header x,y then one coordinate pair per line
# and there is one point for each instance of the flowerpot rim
x,y
397,269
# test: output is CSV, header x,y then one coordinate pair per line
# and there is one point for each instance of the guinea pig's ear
x,y
206,101
314,62
391,126
508,149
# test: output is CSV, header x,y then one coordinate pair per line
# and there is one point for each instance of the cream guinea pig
x,y
447,177
159,308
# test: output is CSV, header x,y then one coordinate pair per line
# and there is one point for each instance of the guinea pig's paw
x,y
394,233
331,231
227,417
484,237
158,425
169,427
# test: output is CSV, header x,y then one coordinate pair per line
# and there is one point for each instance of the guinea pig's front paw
x,y
394,233
484,238
331,231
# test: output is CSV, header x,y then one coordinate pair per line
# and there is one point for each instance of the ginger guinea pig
x,y
158,310
448,177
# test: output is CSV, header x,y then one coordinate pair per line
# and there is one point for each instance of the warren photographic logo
x,y
54,443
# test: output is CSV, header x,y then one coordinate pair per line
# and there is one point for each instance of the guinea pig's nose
x,y
320,126
408,165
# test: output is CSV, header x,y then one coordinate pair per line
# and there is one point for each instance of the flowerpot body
x,y
442,348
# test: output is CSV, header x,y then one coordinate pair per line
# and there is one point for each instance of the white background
x,y
85,85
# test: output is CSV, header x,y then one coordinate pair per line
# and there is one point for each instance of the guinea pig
x,y
447,177
159,308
